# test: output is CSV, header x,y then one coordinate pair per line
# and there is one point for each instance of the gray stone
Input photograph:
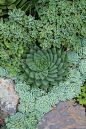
x,y
70,121
8,96
77,128
55,126
73,128
48,115
81,127
43,122
61,120
61,105
40,126
52,114
65,113
77,107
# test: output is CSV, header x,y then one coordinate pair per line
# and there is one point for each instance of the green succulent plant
x,y
36,102
81,98
44,68
73,57
83,42
82,52
3,72
63,23
25,5
15,36
82,68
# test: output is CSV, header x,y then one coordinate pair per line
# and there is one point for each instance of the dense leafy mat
x,y
25,5
34,103
21,32
44,45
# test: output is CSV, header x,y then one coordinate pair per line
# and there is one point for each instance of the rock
x,y
8,96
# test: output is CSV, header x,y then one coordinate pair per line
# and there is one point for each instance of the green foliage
x,y
36,102
82,68
15,36
74,78
24,5
81,98
71,87
78,61
63,23
44,68
82,52
83,42
72,57
3,72
21,32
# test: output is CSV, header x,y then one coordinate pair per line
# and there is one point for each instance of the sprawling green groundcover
x,y
44,52
26,5
35,102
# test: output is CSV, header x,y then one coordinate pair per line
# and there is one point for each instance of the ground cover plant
x,y
34,103
16,35
63,23
81,98
25,5
45,55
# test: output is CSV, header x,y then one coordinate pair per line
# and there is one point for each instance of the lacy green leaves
x,y
45,68
81,98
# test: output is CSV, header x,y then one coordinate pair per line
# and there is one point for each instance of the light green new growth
x,y
81,98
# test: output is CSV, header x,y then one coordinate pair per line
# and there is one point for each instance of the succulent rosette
x,y
45,68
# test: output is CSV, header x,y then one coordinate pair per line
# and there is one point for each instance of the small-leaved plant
x,y
81,98
63,23
16,35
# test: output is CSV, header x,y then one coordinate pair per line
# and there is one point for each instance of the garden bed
x,y
43,50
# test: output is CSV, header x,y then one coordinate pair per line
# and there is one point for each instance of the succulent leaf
x,y
41,69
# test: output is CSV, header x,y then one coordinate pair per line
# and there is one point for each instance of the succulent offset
x,y
73,57
44,68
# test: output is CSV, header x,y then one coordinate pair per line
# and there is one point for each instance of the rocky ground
x,y
66,115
